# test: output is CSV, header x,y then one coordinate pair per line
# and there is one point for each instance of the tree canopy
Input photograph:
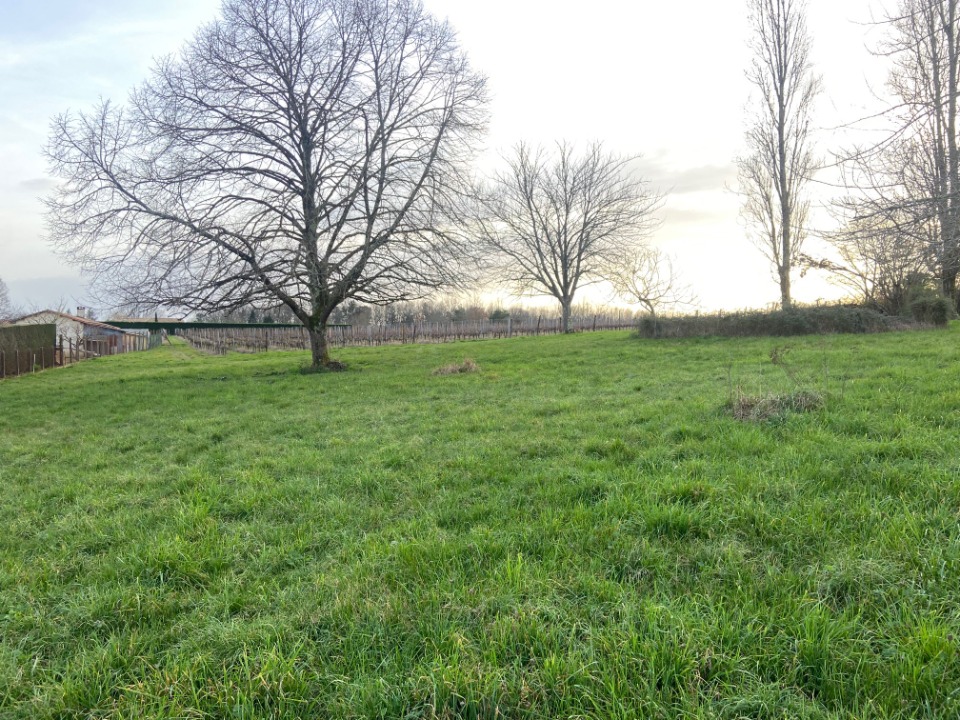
x,y
304,152
553,221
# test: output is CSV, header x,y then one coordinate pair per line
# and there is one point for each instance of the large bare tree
x,y
552,222
780,161
911,178
296,151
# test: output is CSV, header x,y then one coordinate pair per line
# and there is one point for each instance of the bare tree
x,y
553,222
880,259
925,43
649,279
911,179
6,308
780,161
296,151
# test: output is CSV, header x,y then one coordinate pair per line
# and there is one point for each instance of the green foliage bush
x,y
780,323
940,312
931,308
650,327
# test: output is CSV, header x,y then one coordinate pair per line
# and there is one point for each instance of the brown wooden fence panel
x,y
21,362
68,351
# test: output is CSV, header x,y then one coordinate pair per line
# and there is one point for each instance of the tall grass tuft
x,y
467,366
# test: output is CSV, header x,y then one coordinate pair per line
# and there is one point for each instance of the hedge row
x,y
797,321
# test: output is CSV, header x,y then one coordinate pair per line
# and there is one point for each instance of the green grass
x,y
580,529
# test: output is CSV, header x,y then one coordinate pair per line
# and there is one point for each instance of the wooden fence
x,y
71,351
260,339
20,362
68,351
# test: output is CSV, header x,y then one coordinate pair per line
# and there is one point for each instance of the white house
x,y
95,336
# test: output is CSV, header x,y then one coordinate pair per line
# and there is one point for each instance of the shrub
x,y
650,327
930,307
940,312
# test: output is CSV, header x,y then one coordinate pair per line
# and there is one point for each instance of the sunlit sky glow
x,y
665,80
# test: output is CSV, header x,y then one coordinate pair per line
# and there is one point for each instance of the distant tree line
x,y
417,311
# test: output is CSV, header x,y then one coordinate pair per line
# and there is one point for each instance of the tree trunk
x,y
950,287
953,152
319,348
565,307
785,302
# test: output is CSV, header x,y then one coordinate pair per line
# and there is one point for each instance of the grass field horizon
x,y
580,529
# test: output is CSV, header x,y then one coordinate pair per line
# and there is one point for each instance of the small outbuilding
x,y
92,336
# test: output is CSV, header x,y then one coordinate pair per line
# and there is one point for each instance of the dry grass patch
x,y
467,366
755,408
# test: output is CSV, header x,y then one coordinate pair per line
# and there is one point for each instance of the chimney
x,y
81,311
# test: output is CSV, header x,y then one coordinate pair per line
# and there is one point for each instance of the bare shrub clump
x,y
467,366
756,408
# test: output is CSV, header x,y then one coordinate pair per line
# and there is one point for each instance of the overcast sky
x,y
662,79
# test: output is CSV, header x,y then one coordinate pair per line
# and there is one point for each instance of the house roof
x,y
67,316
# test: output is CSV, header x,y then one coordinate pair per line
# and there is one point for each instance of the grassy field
x,y
580,529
